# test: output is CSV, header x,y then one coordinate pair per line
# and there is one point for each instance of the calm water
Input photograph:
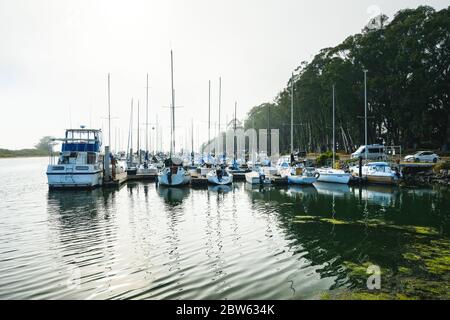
x,y
143,242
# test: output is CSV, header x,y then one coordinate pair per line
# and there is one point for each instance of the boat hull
x,y
176,180
389,180
225,180
75,180
301,180
334,178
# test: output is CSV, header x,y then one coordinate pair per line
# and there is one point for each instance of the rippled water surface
x,y
143,242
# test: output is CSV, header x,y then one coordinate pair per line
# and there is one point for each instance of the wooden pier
x,y
117,182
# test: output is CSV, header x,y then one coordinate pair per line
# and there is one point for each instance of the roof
x,y
85,129
378,164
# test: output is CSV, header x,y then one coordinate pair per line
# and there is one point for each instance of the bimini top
x,y
378,164
82,140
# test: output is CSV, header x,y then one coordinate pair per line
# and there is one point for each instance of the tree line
x,y
408,87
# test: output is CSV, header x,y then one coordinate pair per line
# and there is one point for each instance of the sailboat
x,y
147,167
300,174
330,174
173,172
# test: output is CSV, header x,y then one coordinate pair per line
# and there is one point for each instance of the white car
x,y
423,156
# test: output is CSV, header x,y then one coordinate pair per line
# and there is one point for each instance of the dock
x,y
198,181
117,182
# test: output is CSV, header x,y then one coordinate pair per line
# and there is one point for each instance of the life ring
x,y
317,175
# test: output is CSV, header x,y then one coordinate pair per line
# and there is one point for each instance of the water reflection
x,y
173,196
144,242
220,188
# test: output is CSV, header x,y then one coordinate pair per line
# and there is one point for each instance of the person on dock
x,y
113,166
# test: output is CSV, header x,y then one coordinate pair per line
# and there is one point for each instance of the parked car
x,y
374,152
423,156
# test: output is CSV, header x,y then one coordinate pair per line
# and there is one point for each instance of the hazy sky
x,y
55,57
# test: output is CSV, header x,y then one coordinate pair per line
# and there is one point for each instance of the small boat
x,y
219,176
329,174
377,172
173,174
333,176
79,164
303,176
257,177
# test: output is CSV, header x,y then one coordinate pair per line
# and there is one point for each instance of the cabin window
x,y
91,158
82,168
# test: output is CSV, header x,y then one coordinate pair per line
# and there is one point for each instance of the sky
x,y
55,57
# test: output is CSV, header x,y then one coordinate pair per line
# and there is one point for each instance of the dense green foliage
x,y
326,158
5,153
44,144
408,80
41,149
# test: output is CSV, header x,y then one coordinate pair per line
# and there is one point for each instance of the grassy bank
x,y
5,153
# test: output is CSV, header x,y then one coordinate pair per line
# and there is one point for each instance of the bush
x,y
442,166
326,158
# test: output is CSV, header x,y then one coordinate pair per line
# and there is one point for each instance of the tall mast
x,y
146,122
269,151
138,134
365,113
209,112
234,136
192,140
172,133
130,134
220,99
292,114
334,142
109,113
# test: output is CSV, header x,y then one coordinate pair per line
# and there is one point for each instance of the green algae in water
x,y
334,221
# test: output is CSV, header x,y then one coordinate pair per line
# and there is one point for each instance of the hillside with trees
x,y
407,61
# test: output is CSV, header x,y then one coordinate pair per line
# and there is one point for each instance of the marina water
x,y
144,242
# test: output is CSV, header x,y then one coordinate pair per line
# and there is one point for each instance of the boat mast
x,y
220,98
365,112
172,129
192,140
109,113
146,122
209,112
130,135
138,134
334,142
234,136
292,114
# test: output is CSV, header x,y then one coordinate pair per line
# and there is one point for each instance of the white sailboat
x,y
299,175
330,174
173,173
219,176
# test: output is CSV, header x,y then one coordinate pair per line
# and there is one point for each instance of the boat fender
x,y
262,177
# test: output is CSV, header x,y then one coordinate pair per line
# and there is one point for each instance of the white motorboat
x,y
79,164
333,175
219,176
257,176
302,176
377,172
